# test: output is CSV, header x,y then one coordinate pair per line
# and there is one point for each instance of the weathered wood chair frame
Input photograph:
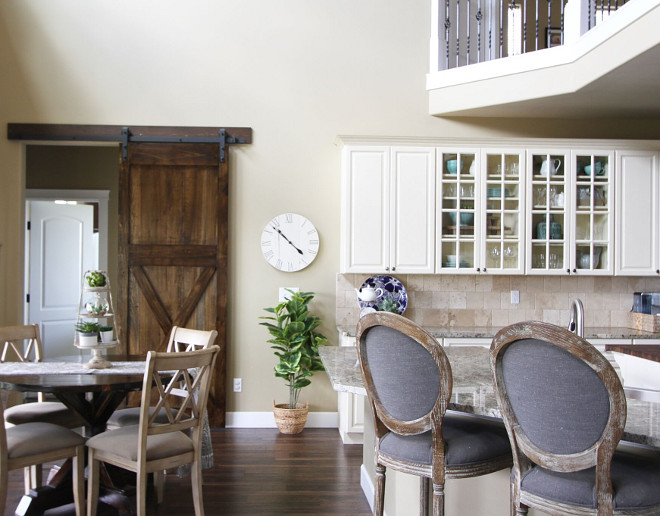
x,y
23,344
526,453
385,422
183,397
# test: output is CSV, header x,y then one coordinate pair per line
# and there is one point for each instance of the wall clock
x,y
289,242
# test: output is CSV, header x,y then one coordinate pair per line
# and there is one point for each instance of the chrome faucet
x,y
576,323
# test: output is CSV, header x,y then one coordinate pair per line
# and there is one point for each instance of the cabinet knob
x,y
574,270
657,271
478,269
568,270
393,269
484,269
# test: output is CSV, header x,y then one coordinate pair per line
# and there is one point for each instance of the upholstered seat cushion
x,y
131,416
36,438
468,441
123,442
635,482
45,412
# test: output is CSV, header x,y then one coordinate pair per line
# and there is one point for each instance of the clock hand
x,y
289,241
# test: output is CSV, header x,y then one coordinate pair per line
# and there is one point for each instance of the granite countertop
x,y
473,389
488,332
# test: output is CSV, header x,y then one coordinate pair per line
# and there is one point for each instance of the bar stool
x,y
409,382
565,410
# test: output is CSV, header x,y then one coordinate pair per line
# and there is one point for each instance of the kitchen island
x,y
472,394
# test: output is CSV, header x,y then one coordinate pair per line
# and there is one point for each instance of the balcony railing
x,y
471,31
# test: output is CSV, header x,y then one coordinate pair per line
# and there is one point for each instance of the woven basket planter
x,y
290,421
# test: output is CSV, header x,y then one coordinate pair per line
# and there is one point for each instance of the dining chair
x,y
565,411
408,380
36,443
23,344
181,339
153,446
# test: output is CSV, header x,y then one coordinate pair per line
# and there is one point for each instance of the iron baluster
x,y
447,27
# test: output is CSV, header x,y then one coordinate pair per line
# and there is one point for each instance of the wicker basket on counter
x,y
644,322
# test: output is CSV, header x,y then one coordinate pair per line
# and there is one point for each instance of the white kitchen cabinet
x,y
570,212
502,215
388,213
481,211
457,245
592,213
481,216
637,213
548,198
350,407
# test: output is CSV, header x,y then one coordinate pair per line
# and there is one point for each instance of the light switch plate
x,y
285,294
515,297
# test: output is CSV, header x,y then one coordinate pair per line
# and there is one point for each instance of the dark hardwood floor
x,y
260,472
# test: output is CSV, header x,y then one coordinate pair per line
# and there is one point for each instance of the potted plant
x,y
96,279
106,333
88,333
295,341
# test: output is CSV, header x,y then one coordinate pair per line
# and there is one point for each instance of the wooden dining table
x,y
92,394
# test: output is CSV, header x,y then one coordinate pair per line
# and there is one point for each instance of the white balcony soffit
x,y
612,71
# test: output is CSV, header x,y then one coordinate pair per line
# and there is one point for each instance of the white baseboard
x,y
267,420
368,487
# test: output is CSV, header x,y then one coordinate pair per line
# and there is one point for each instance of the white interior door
x,y
61,249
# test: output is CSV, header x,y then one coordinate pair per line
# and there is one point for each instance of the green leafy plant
x,y
295,341
388,305
87,327
105,328
96,279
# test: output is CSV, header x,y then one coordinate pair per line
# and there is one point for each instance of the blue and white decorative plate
x,y
392,289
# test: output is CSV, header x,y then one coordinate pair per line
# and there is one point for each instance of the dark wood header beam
x,y
113,133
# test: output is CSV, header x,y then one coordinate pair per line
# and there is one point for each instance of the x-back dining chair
x,y
408,380
36,443
565,411
23,344
153,446
181,339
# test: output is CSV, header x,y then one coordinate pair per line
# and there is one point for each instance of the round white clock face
x,y
289,242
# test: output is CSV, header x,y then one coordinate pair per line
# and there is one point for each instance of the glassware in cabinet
x,y
502,209
592,207
547,221
458,192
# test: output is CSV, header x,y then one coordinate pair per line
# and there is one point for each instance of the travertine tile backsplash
x,y
456,300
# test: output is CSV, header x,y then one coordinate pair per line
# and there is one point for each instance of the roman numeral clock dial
x,y
289,242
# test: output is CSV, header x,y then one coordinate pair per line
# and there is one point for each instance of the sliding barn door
x,y
173,249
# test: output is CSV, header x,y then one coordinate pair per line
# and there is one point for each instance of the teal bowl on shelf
x,y
452,166
467,219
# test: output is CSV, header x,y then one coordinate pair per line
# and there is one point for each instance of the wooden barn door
x,y
173,249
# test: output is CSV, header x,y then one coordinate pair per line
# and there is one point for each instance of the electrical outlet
x,y
238,384
515,297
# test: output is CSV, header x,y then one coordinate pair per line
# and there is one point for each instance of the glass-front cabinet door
x,y
457,224
548,201
502,212
592,223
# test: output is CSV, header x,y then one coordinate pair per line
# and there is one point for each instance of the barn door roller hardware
x,y
222,136
222,140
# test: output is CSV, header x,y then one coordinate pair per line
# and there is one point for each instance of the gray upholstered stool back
x,y
406,378
560,398
406,372
559,401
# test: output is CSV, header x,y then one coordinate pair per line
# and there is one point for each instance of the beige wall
x,y
299,73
